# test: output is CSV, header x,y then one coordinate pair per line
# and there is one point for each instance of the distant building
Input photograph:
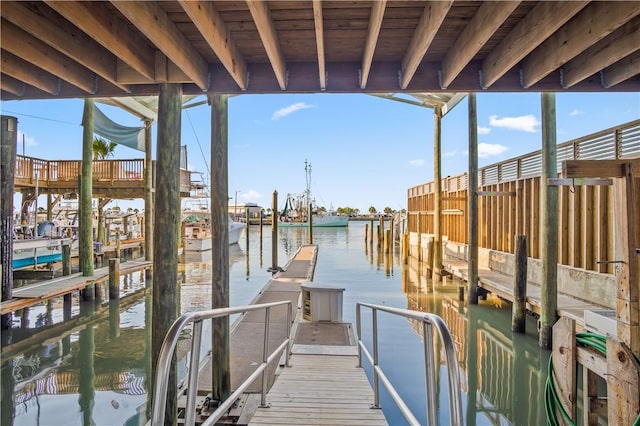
x,y
239,210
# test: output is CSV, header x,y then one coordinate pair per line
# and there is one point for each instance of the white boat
x,y
197,235
295,212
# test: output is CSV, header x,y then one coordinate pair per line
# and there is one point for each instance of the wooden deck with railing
x,y
111,178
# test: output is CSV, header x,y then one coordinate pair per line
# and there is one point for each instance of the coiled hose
x,y
551,399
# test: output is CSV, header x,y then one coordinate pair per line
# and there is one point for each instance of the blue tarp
x,y
133,137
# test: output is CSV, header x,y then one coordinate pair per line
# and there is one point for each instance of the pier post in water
x,y
519,312
366,232
405,249
114,279
66,259
7,173
472,202
148,193
436,272
85,222
274,231
246,229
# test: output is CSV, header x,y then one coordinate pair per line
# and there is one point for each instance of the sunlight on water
x,y
92,367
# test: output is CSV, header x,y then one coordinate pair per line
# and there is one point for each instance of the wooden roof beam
x,y
490,16
43,23
100,23
213,29
154,23
535,28
375,23
621,70
266,28
429,24
11,85
20,69
622,42
319,29
32,50
598,168
595,22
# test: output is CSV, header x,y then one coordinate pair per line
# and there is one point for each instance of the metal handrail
x,y
169,345
428,322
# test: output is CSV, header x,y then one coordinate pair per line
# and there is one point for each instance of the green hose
x,y
551,399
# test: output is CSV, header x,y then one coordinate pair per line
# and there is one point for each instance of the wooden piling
x,y
148,193
549,234
118,254
274,230
220,373
366,232
387,241
9,136
472,201
378,237
246,229
519,307
436,271
430,256
114,279
166,229
85,222
405,249
66,259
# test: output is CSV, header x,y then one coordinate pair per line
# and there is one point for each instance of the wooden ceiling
x,y
61,49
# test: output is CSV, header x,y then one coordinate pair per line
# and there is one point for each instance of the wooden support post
x,y
623,384
125,225
9,136
564,364
436,272
246,229
472,202
114,279
274,231
378,237
118,253
261,225
220,372
387,241
66,259
549,228
366,232
49,207
85,222
166,297
519,312
371,235
430,246
419,245
148,192
405,249
627,215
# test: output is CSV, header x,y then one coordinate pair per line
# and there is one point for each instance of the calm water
x,y
91,368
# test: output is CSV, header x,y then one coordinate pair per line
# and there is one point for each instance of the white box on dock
x,y
321,302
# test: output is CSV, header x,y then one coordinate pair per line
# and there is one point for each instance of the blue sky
x,y
363,150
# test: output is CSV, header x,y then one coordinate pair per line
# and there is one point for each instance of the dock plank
x,y
320,390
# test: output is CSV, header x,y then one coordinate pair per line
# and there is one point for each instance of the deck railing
x,y
169,346
30,170
429,321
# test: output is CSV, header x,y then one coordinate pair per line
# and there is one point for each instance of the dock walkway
x,y
29,295
322,386
502,285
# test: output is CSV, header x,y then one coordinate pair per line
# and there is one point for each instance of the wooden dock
x,y
24,297
502,286
323,389
323,384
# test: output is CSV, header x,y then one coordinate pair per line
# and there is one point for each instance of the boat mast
x,y
307,172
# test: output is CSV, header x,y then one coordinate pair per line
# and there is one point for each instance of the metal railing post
x,y
359,334
290,345
265,349
376,385
430,367
192,384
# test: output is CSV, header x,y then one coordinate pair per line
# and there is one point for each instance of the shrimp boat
x,y
296,210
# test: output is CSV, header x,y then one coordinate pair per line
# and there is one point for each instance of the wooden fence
x,y
509,202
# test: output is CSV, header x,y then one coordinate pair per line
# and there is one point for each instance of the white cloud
x,y
249,195
450,153
283,112
525,123
490,149
417,163
484,130
28,140
576,112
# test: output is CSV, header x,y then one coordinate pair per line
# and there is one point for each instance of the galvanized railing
x,y
428,322
169,346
